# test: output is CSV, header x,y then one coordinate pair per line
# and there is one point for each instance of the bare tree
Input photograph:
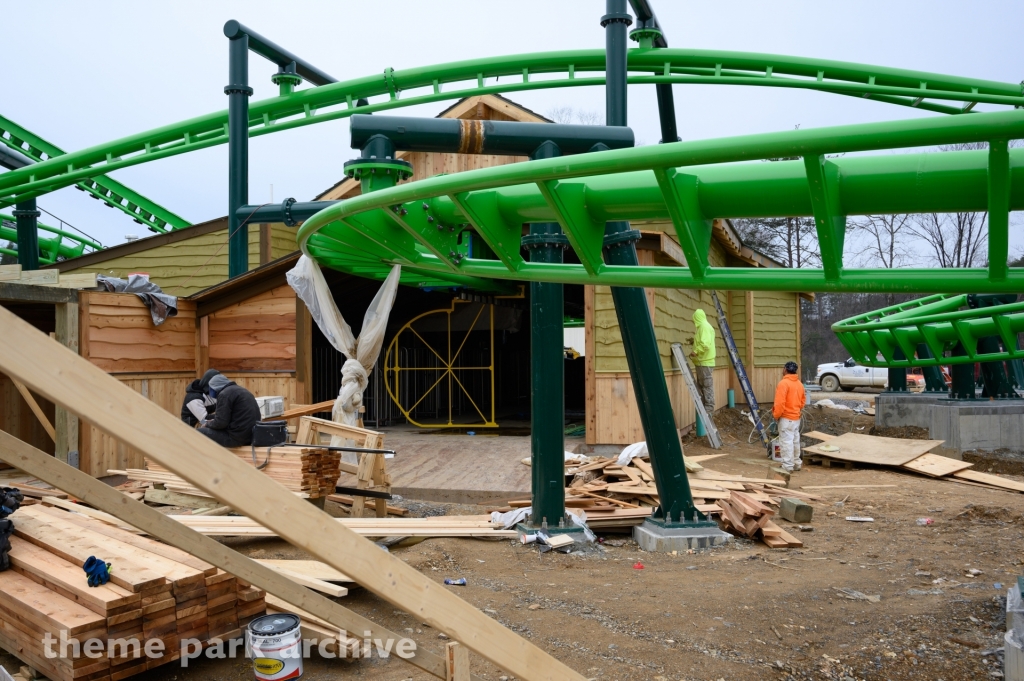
x,y
567,114
792,241
885,238
561,114
588,117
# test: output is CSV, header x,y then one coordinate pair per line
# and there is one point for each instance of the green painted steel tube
x,y
26,216
311,106
269,50
547,379
238,92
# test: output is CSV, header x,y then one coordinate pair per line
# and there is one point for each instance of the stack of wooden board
x,y
749,516
155,592
312,471
906,455
437,526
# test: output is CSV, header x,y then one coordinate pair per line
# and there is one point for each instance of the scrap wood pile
x,y
155,592
478,527
908,456
617,496
309,471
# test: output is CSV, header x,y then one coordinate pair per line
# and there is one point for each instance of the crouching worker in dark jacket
x,y
237,412
197,394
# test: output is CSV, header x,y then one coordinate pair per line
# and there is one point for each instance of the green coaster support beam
x,y
650,34
291,70
634,317
546,244
26,216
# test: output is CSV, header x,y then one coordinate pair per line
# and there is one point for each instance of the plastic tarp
x,y
161,306
361,353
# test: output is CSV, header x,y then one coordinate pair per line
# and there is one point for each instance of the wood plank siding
x,y
257,334
189,265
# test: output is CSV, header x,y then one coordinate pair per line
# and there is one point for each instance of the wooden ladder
x,y
687,370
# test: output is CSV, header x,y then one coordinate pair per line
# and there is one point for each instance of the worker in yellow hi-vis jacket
x,y
703,357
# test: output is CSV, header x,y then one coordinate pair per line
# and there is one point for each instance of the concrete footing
x,y
658,539
897,410
979,425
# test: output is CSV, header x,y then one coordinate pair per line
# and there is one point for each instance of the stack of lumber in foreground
x,y
309,470
621,497
155,592
437,526
908,456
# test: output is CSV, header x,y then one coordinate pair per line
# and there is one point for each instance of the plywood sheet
x,y
994,480
881,451
936,466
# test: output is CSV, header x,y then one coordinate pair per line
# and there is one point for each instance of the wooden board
x,y
310,568
936,466
99,494
879,451
54,372
988,479
817,435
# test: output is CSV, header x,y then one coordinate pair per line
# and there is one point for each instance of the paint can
x,y
274,642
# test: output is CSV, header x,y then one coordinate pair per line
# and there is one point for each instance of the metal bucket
x,y
274,643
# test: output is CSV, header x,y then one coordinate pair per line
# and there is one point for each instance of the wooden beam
x,y
303,353
65,423
45,467
750,329
34,406
266,243
304,410
67,379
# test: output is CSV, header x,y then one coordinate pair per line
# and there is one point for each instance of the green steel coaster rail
x,y
939,322
106,189
49,249
507,74
421,225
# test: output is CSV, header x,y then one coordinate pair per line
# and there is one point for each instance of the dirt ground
x,y
738,612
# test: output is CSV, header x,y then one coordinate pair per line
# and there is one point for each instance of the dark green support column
x,y
634,317
238,92
649,384
897,377
26,217
933,380
963,377
546,244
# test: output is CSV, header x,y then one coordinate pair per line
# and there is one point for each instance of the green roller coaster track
x,y
50,249
937,321
109,191
465,229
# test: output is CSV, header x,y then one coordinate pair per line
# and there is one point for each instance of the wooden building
x,y
255,330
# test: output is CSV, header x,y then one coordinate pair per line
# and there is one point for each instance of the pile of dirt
x,y
901,432
835,421
990,514
1002,461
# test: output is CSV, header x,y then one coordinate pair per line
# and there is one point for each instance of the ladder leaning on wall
x,y
688,376
741,374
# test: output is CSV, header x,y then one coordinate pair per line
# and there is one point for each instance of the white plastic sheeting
x,y
308,282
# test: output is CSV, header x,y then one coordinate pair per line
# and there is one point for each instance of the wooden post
x,y
203,351
266,244
36,409
750,331
456,662
589,366
799,335
303,353
63,377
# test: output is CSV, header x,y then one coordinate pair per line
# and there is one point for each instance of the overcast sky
x,y
81,74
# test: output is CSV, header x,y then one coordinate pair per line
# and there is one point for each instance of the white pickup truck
x,y
849,375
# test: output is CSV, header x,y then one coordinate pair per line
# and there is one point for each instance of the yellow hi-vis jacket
x,y
703,340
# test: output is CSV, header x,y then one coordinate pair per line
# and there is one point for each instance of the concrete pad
x,y
896,410
977,425
659,539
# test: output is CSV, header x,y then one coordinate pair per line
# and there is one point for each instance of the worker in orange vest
x,y
790,399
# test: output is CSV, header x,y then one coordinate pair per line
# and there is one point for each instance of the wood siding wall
x,y
775,328
257,334
191,265
100,453
119,337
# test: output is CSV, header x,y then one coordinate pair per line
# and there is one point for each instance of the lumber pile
x,y
311,471
908,456
155,592
615,497
438,526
